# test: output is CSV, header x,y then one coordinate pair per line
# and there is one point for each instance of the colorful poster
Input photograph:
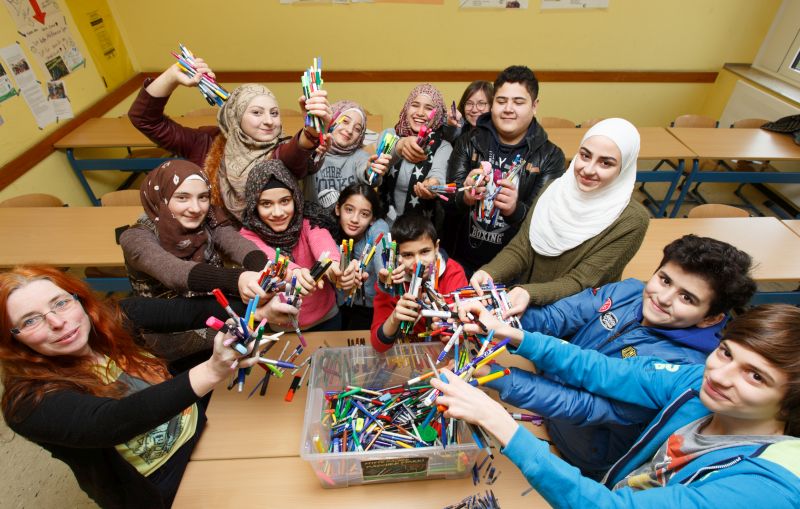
x,y
493,4
101,35
47,35
7,90
30,88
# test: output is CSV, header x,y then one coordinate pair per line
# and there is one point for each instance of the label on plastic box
x,y
394,467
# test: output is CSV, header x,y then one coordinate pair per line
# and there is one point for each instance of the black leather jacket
x,y
544,162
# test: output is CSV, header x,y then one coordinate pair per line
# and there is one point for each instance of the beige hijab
x,y
241,151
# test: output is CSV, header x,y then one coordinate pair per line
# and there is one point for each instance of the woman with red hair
x,y
77,384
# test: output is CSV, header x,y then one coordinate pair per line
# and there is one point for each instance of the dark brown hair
x,y
476,86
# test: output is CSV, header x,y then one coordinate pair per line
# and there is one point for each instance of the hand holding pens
x,y
312,81
385,148
207,84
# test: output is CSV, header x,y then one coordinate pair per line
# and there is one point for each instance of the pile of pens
x,y
390,263
208,86
363,262
385,147
485,211
478,501
311,81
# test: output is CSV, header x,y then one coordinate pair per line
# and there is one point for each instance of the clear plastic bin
x,y
334,368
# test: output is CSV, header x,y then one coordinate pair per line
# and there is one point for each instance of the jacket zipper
x,y
619,333
712,468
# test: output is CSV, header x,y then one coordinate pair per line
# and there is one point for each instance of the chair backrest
x,y
749,123
33,200
717,210
590,123
124,198
694,121
555,122
202,112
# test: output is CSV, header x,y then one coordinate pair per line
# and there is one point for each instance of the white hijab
x,y
565,216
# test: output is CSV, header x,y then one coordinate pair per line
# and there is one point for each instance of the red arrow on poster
x,y
38,15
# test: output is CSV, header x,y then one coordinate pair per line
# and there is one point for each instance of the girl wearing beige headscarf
x,y
249,129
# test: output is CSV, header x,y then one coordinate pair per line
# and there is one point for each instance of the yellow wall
x,y
679,35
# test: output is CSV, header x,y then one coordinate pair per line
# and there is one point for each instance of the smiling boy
x,y
676,316
416,242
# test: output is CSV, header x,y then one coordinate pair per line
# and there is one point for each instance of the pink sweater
x,y
313,242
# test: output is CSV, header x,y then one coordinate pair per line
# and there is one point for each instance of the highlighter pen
x,y
224,303
295,385
488,378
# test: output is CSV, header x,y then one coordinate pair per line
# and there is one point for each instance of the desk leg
x,y
81,178
687,183
662,209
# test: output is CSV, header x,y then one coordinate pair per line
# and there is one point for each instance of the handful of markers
x,y
311,81
347,255
431,290
385,147
208,86
390,263
484,210
292,294
425,134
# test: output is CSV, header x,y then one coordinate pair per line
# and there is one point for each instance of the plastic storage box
x,y
334,368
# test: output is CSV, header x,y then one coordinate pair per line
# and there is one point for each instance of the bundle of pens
x,y
425,134
414,287
390,263
292,294
208,86
385,147
485,211
363,261
478,501
273,277
311,81
443,190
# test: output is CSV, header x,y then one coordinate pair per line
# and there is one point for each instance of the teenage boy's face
x,y
676,299
512,111
422,249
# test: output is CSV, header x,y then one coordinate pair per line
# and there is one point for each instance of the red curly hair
x,y
27,375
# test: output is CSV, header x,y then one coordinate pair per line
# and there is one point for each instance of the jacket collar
x,y
534,138
702,339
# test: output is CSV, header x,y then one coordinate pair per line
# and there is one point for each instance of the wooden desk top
x,y
290,482
63,236
712,143
792,224
768,241
656,142
276,423
119,132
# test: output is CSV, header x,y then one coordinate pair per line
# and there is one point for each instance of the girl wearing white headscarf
x,y
583,229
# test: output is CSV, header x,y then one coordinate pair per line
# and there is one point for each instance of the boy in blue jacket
x,y
725,434
677,316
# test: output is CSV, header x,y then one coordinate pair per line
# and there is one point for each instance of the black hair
x,y
725,269
365,191
410,227
476,86
519,74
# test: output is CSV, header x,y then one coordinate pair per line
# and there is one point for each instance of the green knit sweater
x,y
595,262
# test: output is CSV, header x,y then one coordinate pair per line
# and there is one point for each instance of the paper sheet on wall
x,y
45,29
575,4
30,89
493,4
7,90
57,95
101,35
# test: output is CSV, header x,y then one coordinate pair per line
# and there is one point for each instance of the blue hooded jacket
x,y
590,431
744,476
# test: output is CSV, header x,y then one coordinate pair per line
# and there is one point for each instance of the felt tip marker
x,y
488,378
280,364
218,325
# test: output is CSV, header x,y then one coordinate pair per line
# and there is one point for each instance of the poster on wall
x,y
7,90
57,95
493,4
101,36
30,88
574,4
47,35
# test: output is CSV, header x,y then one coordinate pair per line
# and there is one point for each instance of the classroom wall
x,y
681,35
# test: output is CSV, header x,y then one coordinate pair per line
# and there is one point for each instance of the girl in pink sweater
x,y
275,216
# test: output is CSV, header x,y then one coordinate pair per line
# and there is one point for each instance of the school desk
x,y
98,133
793,224
656,144
290,482
741,144
63,236
269,427
772,245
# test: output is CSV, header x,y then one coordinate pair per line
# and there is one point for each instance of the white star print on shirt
x,y
417,172
414,202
